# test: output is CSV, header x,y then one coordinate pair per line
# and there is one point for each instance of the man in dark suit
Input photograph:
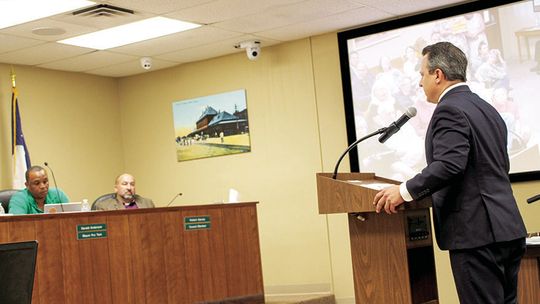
x,y
475,214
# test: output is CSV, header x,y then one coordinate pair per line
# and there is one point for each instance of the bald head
x,y
122,177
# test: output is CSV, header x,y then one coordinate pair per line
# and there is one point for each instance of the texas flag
x,y
19,151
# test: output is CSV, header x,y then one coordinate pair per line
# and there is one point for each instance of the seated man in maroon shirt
x,y
125,196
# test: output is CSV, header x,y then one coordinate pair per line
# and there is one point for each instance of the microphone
x,y
533,199
354,144
55,186
174,198
396,125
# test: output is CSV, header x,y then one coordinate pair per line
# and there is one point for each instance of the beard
x,y
128,196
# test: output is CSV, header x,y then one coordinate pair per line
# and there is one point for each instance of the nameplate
x,y
197,222
91,231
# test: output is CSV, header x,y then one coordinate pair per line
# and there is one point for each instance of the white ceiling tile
x,y
183,40
25,29
287,15
90,61
10,43
221,10
215,49
228,23
43,53
348,19
156,7
403,7
131,67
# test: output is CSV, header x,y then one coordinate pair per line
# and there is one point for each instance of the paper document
x,y
533,240
370,185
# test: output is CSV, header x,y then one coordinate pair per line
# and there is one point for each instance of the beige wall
x,y
279,172
69,120
101,126
297,125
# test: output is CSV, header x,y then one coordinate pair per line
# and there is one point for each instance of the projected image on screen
x,y
502,45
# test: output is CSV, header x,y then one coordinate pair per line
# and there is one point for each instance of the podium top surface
x,y
354,192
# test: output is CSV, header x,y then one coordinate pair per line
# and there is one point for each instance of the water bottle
x,y
85,206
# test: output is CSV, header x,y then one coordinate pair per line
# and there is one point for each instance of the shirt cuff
x,y
404,192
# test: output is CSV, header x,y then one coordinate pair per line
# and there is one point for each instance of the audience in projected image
x,y
385,77
536,68
477,60
381,108
411,64
518,135
405,96
492,73
388,74
454,30
475,34
362,82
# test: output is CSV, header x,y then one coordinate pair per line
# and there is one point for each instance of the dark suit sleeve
x,y
449,144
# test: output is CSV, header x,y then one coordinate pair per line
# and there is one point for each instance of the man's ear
x,y
440,76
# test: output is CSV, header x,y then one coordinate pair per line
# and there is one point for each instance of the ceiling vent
x,y
103,10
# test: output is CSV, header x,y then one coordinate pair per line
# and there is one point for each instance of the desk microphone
x,y
55,186
177,195
533,199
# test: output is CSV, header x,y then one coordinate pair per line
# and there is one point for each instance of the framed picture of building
x,y
211,126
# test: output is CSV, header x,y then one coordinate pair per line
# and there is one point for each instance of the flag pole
x,y
13,78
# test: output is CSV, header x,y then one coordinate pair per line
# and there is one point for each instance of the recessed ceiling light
x,y
48,31
130,33
13,12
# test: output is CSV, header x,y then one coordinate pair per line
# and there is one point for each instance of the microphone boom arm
x,y
354,144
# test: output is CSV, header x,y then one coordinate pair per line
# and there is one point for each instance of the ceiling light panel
x,y
130,33
13,12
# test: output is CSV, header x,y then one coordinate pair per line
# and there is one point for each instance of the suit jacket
x,y
114,204
467,174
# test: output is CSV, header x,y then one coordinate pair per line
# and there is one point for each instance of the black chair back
x,y
5,196
102,198
17,270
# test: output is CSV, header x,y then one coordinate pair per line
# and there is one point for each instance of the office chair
x,y
102,198
17,270
5,196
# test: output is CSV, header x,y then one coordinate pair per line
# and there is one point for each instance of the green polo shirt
x,y
23,202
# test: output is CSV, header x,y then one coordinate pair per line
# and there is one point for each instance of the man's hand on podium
x,y
389,199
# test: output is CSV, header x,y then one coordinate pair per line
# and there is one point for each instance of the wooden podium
x,y
392,255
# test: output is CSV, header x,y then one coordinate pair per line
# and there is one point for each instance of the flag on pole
x,y
19,151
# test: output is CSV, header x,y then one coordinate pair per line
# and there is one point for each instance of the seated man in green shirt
x,y
37,193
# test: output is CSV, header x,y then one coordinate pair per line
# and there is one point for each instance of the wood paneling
x,y
174,256
120,257
241,258
77,292
147,257
51,286
348,193
529,276
379,258
383,258
202,247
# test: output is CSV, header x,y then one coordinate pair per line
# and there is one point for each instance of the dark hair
x,y
32,169
448,58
